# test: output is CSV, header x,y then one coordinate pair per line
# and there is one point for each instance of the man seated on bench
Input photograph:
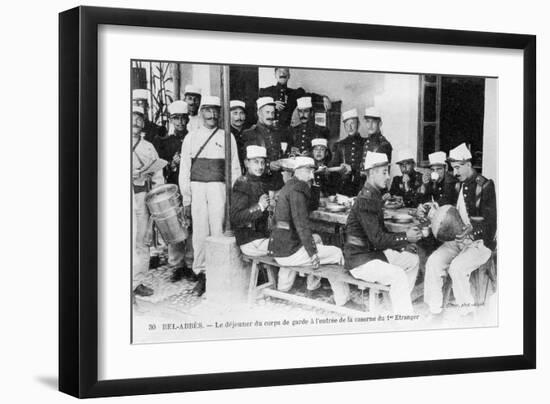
x,y
372,253
458,258
249,205
292,243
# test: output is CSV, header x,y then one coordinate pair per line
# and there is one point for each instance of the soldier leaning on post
x,y
286,98
476,204
372,253
292,242
265,134
202,186
438,185
144,156
238,120
407,184
140,98
347,155
307,130
249,205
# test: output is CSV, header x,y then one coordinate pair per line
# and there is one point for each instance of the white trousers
x,y
255,248
458,260
207,212
141,251
399,273
327,255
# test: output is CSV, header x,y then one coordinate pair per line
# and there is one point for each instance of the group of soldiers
x,y
269,211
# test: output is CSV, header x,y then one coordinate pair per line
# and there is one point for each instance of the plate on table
x,y
402,218
394,203
334,207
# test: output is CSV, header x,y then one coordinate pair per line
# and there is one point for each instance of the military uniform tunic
x,y
152,130
248,220
167,147
294,204
377,143
350,151
303,134
289,96
480,200
411,197
366,233
241,146
442,192
459,258
270,138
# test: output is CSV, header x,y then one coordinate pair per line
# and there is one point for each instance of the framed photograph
x,y
252,202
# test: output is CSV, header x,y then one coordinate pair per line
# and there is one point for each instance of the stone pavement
x,y
174,300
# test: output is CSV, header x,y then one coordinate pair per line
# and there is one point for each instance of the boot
x,y
142,290
200,287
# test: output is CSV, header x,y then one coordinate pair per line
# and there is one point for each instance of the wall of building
x,y
395,95
490,130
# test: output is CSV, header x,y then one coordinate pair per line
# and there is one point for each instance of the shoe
x,y
178,274
142,290
200,287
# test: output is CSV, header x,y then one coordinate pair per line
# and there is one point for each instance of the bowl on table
x,y
335,207
402,218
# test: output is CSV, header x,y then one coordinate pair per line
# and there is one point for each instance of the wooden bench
x,y
331,272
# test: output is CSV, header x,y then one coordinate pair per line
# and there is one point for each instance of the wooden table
x,y
334,219
330,225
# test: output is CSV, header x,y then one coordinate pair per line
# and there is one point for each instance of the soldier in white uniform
x,y
144,156
202,176
192,96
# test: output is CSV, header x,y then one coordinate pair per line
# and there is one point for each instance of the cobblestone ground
x,y
175,300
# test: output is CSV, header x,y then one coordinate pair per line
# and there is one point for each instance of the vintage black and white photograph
x,y
272,201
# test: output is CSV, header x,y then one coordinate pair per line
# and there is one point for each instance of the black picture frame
x,y
78,196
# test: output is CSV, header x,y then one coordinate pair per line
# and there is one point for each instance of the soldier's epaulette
x,y
481,180
240,182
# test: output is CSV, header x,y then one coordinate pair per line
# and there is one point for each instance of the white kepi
x,y
373,160
263,101
460,153
140,94
319,141
352,113
304,103
210,101
191,89
237,104
437,159
372,112
404,155
178,108
254,151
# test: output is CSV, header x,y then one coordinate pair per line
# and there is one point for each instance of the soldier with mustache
x,y
238,119
307,130
264,133
286,98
